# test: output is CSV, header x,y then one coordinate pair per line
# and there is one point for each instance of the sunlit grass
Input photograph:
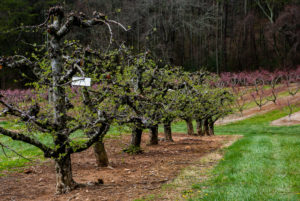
x,y
264,165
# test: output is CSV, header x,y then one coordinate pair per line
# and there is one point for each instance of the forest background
x,y
219,35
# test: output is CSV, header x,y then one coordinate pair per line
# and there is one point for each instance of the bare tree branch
x,y
25,115
24,138
100,131
6,147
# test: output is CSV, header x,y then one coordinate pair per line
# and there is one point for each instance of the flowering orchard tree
x,y
62,117
273,80
237,82
17,96
292,81
257,83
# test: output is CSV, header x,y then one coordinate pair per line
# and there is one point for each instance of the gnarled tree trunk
x,y
136,137
153,135
200,127
189,125
168,132
206,127
211,127
63,168
100,154
64,179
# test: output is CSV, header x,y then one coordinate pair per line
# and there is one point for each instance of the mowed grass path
x,y
263,165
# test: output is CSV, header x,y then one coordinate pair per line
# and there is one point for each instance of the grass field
x,y
263,165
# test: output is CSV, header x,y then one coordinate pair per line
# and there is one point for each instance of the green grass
x,y
264,165
10,161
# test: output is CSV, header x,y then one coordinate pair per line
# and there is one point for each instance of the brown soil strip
x,y
127,178
287,121
282,102
180,188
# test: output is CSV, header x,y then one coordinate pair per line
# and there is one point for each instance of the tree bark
x,y
189,125
136,137
153,135
64,179
200,127
217,41
100,154
168,132
224,68
206,127
211,127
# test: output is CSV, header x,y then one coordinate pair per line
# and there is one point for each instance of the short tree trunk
x,y
211,128
153,135
168,132
200,127
189,125
64,178
206,127
100,154
135,144
136,137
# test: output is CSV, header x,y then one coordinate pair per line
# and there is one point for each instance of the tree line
x,y
218,35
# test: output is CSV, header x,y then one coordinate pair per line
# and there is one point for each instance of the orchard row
x,y
261,87
129,90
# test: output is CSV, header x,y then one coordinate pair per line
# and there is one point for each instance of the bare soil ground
x,y
127,178
287,121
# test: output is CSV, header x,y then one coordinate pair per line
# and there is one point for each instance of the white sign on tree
x,y
81,81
